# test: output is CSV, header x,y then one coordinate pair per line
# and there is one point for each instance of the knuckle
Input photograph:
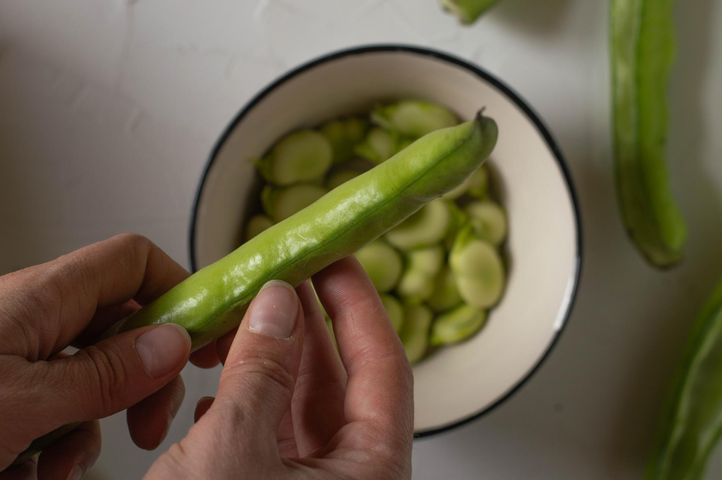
x,y
135,244
24,311
391,360
134,249
131,239
262,372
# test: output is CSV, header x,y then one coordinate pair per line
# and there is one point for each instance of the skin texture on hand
x,y
289,406
70,301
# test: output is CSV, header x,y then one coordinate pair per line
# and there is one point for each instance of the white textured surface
x,y
109,109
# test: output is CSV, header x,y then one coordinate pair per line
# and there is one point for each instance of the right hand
x,y
288,406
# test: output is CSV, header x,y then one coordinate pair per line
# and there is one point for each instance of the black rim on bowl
x,y
504,89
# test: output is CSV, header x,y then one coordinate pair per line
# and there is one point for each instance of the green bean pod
x,y
642,50
692,423
468,11
212,301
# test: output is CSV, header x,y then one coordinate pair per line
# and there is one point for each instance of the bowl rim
x,y
483,75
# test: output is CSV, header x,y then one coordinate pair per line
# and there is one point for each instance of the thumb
x,y
258,379
116,373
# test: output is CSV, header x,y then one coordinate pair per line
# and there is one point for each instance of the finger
x,y
25,471
105,378
122,267
103,319
379,387
288,446
72,455
223,345
257,382
206,357
318,401
286,437
202,407
149,419
56,300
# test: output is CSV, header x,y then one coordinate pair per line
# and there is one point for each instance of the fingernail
x,y
273,312
163,349
76,473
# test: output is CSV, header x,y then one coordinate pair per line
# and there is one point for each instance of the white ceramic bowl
x,y
459,383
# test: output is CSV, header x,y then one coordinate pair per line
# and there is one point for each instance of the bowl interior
x,y
459,382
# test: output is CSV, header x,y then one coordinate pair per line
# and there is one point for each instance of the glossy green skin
x,y
693,418
642,50
212,301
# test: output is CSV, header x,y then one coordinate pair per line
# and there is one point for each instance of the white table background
x,y
108,110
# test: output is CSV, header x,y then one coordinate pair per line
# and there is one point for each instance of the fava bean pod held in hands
x,y
212,301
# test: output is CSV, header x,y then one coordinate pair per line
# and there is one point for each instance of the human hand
x,y
288,407
71,301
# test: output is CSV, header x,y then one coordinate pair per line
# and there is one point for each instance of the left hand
x,y
71,301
